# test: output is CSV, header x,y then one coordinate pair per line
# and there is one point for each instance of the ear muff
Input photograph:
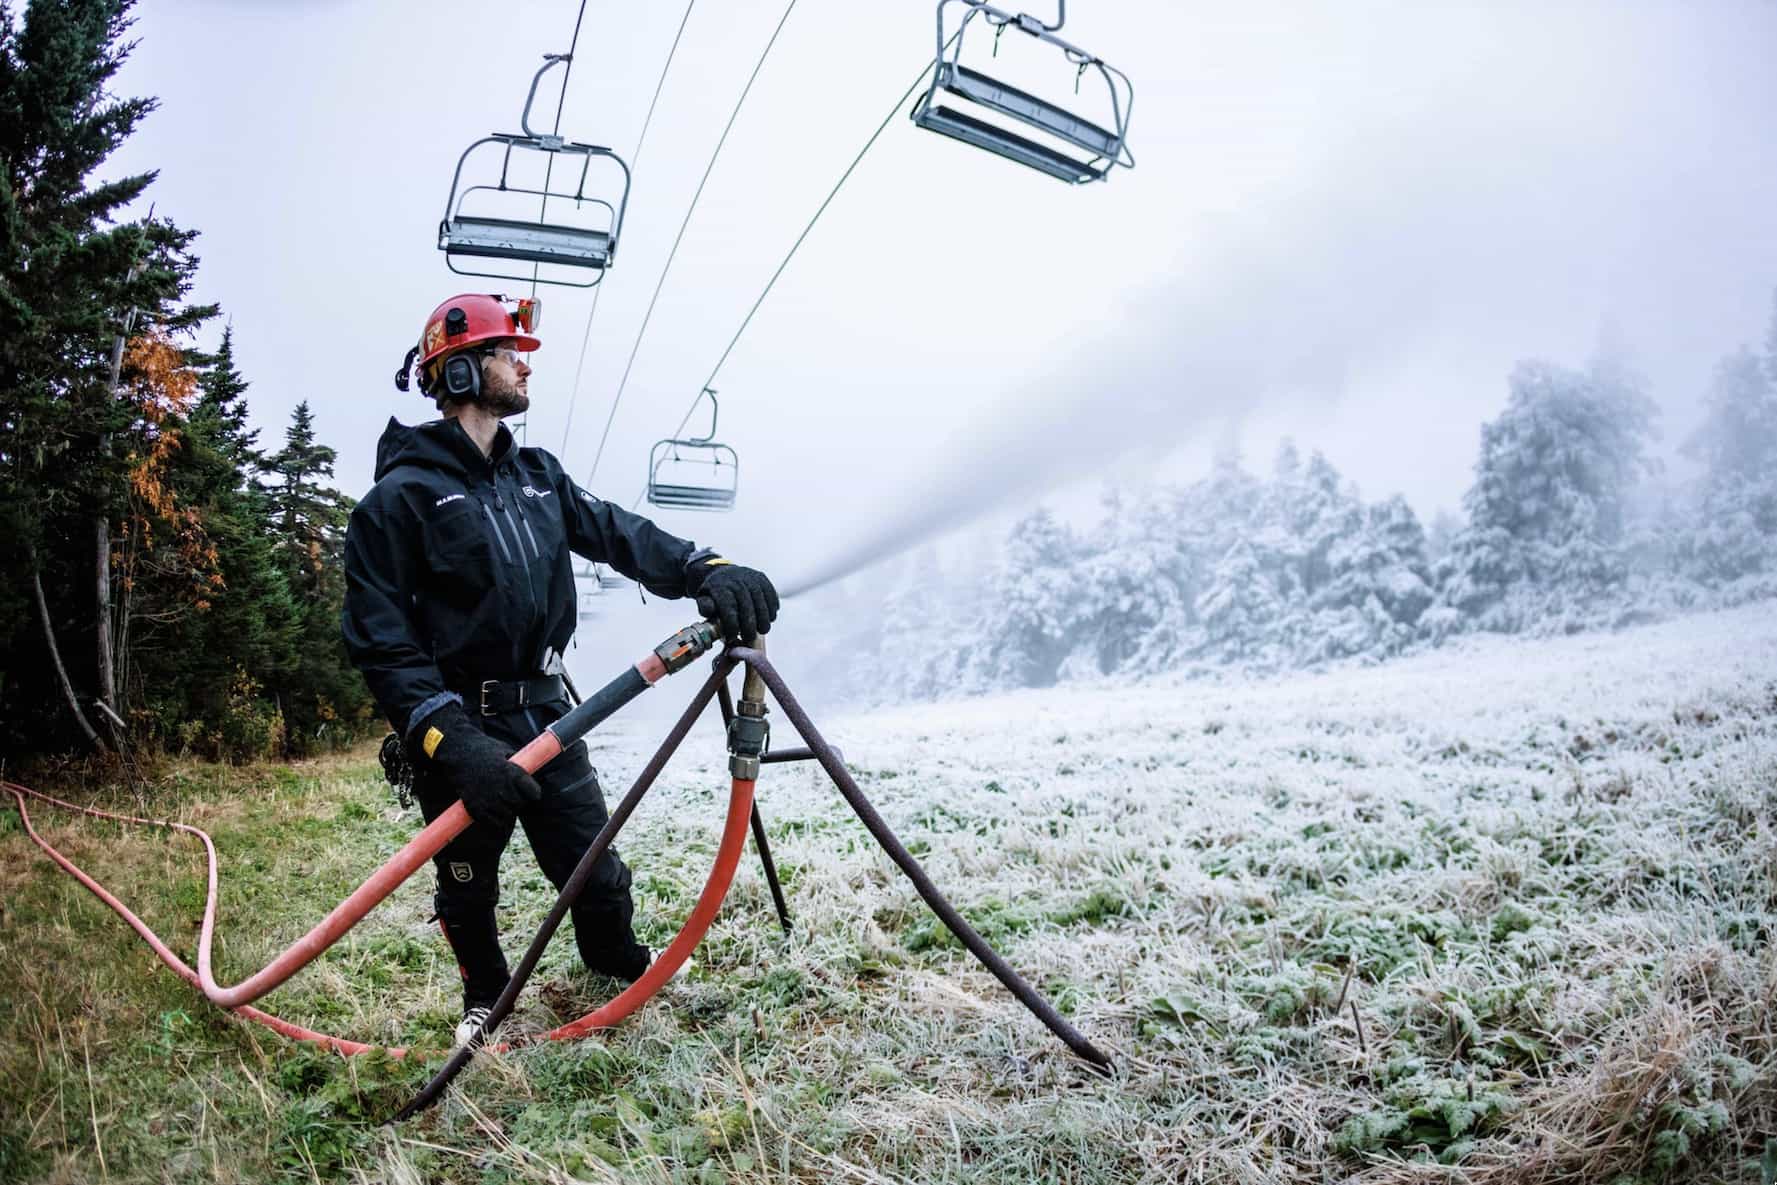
x,y
462,376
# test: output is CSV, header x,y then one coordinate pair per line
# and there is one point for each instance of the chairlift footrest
x,y
1000,142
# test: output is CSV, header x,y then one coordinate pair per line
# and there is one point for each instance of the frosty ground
x,y
1507,906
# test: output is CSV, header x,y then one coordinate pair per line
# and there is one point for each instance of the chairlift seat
x,y
527,242
981,94
686,497
477,223
1027,108
997,140
666,457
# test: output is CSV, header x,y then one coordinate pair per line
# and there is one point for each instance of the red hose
x,y
295,1031
331,928
703,914
373,891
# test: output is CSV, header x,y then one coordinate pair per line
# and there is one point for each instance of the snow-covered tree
x,y
1136,572
1032,604
918,635
1240,609
1379,583
1543,547
1734,536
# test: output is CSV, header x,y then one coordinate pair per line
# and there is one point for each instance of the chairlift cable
x,y
561,102
794,247
680,237
635,165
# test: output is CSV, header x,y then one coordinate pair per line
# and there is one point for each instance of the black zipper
x,y
530,580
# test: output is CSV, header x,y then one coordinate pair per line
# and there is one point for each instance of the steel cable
x,y
797,245
561,101
635,164
680,237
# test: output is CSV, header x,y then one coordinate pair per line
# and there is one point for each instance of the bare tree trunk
x,y
55,654
107,660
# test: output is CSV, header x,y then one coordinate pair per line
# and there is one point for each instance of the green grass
x,y
1537,970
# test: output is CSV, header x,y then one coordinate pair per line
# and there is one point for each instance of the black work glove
x,y
740,600
474,766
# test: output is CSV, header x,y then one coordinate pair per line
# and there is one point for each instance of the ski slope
x,y
1540,875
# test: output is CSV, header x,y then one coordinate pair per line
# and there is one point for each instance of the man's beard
x,y
504,399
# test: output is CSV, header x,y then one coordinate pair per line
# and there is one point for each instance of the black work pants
x,y
560,827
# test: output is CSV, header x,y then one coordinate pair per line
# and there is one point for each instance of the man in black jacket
x,y
459,601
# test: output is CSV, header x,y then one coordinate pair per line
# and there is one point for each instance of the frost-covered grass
x,y
1501,912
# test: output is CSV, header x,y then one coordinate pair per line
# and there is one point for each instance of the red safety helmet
x,y
470,319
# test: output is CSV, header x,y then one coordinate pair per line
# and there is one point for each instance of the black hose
x,y
593,711
1027,995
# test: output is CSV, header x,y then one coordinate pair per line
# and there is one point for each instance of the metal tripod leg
x,y
777,890
910,867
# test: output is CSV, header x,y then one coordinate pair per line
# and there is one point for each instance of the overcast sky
x,y
1347,222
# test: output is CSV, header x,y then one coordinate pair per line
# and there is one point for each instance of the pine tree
x,y
1734,537
1544,544
1035,610
1377,588
1134,588
71,277
250,626
308,513
1240,609
221,412
916,651
320,694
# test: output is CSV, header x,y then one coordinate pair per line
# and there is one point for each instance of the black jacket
x,y
457,565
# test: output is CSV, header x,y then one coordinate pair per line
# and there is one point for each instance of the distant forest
x,y
1570,524
173,586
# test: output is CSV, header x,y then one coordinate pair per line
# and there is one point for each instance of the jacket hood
x,y
437,444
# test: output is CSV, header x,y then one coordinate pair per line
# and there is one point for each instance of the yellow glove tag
x,y
434,738
717,562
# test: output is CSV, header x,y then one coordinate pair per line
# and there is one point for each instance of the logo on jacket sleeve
x,y
446,498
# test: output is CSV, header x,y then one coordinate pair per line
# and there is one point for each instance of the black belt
x,y
496,696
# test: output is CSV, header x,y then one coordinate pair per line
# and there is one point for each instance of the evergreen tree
x,y
320,694
221,412
70,279
1240,609
1377,588
308,512
249,629
1034,596
1543,547
917,642
1134,580
1734,537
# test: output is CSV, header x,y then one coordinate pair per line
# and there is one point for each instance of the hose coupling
x,y
749,739
686,646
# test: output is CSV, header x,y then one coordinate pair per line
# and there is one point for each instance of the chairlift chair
x,y
567,236
1065,145
694,473
590,601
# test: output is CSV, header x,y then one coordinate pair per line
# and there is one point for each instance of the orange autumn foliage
x,y
160,389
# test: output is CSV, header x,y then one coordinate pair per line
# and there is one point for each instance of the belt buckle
x,y
486,686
